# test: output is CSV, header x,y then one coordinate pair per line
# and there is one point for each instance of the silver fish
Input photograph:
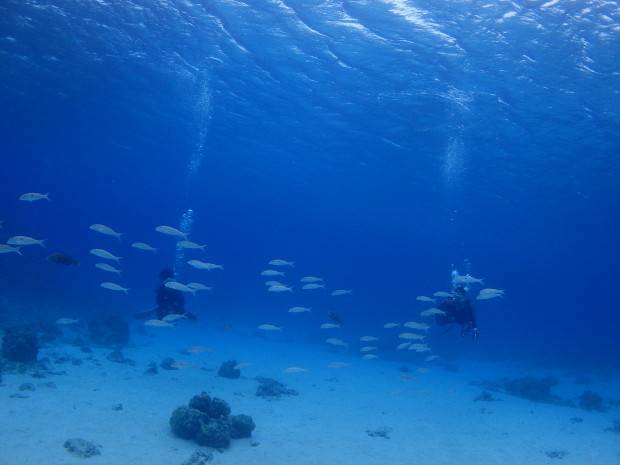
x,y
432,311
105,230
143,246
300,309
179,287
416,325
190,245
106,267
279,262
270,328
7,249
32,196
115,287
25,240
411,336
280,288
204,266
391,325
171,231
105,254
313,286
342,292
272,273
199,287
466,280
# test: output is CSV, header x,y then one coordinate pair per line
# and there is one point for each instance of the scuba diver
x,y
458,309
169,301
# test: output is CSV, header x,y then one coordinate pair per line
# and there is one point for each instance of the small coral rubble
x,y
269,387
539,390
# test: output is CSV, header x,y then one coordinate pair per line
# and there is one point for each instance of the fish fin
x,y
47,196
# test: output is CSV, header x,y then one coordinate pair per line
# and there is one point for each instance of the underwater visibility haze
x,y
378,144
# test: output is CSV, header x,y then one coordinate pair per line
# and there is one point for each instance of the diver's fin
x,y
451,326
145,314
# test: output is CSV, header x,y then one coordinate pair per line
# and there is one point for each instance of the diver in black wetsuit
x,y
460,310
169,301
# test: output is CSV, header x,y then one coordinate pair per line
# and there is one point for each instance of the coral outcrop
x,y
208,421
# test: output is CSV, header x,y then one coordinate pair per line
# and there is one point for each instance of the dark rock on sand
x,y
200,457
269,387
26,387
219,408
20,344
201,402
185,422
117,356
228,370
528,387
591,401
109,331
166,364
208,421
615,428
81,448
241,426
380,432
485,396
537,390
215,433
213,407
152,369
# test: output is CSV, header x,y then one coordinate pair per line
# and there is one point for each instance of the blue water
x,y
377,144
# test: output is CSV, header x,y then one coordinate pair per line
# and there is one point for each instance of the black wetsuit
x,y
458,310
169,301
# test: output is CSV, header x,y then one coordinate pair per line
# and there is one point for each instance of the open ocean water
x,y
378,144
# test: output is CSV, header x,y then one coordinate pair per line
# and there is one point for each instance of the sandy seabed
x,y
369,412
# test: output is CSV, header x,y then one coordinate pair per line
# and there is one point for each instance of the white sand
x,y
432,419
